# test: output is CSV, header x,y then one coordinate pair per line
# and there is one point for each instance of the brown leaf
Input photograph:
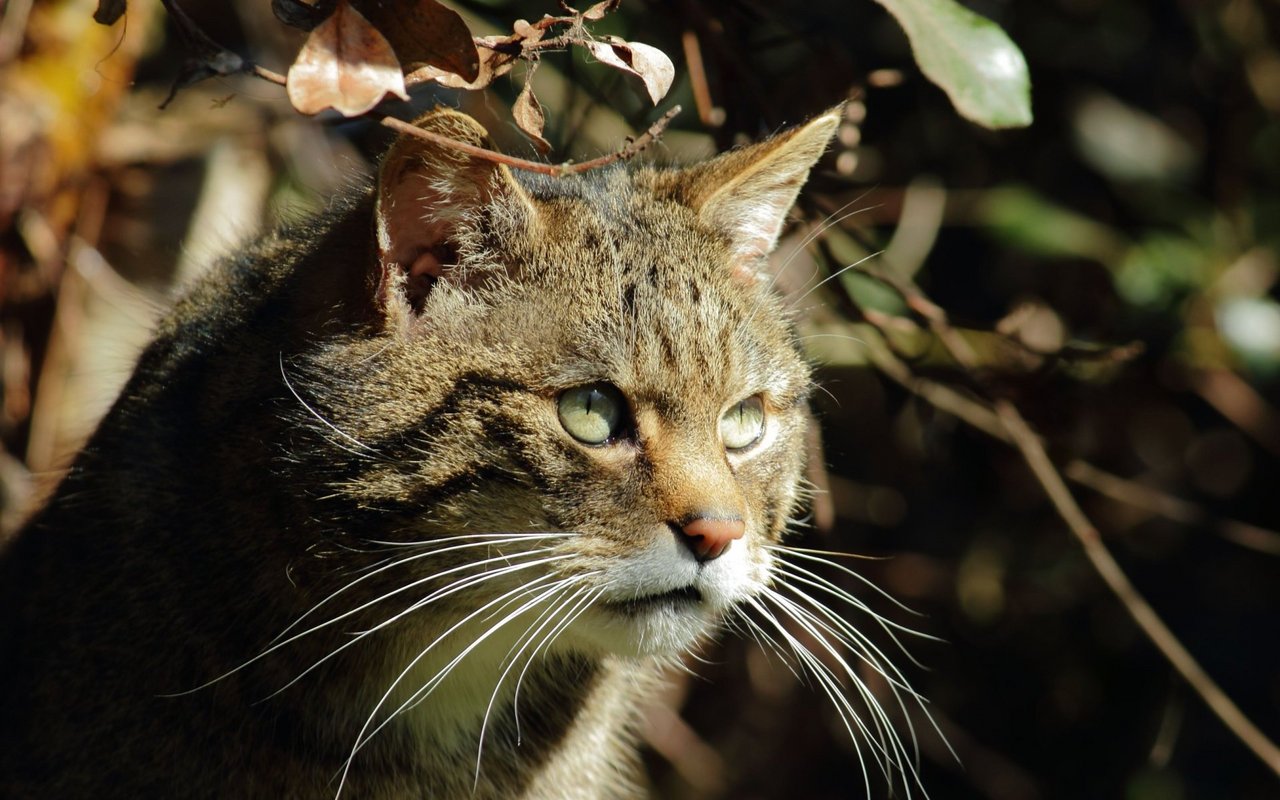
x,y
498,54
524,32
597,11
528,114
424,33
650,64
492,66
346,64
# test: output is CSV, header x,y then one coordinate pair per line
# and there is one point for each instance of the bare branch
x,y
1033,450
630,150
978,414
1141,611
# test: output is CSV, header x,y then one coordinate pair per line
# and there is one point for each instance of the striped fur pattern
x,y
335,537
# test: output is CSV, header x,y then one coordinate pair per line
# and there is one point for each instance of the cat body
x,y
419,498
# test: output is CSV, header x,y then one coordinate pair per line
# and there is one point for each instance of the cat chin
x,y
665,629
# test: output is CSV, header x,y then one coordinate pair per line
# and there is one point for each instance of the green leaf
x,y
970,57
1025,219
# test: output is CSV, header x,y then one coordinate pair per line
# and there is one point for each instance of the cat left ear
x,y
748,192
429,196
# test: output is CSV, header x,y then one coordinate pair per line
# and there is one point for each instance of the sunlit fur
x,y
334,540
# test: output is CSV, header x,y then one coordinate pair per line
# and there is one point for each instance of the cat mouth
x,y
685,596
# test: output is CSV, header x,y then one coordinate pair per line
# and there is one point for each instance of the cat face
x,y
668,424
586,406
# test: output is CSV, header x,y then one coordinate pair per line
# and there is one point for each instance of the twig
x,y
1033,450
928,310
1241,404
1138,608
978,414
631,149
1170,507
708,114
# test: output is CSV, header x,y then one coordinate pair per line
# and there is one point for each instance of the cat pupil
x,y
742,425
591,414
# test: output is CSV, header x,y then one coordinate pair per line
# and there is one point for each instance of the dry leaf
x,y
649,63
597,11
524,32
424,33
494,60
492,66
528,114
345,65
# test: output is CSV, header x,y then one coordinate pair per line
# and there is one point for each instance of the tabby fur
x,y
338,472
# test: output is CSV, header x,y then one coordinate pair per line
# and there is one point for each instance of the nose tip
x,y
709,537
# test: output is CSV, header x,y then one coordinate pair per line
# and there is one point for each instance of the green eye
x,y
742,424
592,414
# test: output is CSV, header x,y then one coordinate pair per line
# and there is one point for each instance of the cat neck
x,y
570,727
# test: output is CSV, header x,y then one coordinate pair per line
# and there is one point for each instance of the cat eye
x,y
742,424
592,414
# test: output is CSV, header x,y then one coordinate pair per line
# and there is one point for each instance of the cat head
x,y
583,395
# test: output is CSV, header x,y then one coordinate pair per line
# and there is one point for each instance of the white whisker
x,y
835,275
816,556
827,684
524,590
277,643
547,617
484,542
368,452
832,220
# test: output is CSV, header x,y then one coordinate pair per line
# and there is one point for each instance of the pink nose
x,y
708,537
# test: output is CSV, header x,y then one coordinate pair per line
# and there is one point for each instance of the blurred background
x,y
1113,267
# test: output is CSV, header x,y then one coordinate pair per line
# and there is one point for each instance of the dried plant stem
x,y
1141,611
1032,449
631,149
1170,507
979,414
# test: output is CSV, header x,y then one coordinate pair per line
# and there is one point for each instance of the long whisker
x,y
277,643
885,740
524,590
826,683
368,452
835,275
453,588
573,614
544,619
876,660
816,556
484,541
832,220
810,578
844,633
806,622
766,642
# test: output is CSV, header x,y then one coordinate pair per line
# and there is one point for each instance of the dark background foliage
x,y
1142,206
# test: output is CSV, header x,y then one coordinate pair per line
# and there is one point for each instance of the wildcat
x,y
418,498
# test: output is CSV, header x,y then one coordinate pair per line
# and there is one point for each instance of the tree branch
x,y
1033,451
629,150
979,415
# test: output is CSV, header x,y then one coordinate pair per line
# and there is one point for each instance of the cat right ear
x,y
429,196
746,193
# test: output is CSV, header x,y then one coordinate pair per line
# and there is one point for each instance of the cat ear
x,y
429,194
747,192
